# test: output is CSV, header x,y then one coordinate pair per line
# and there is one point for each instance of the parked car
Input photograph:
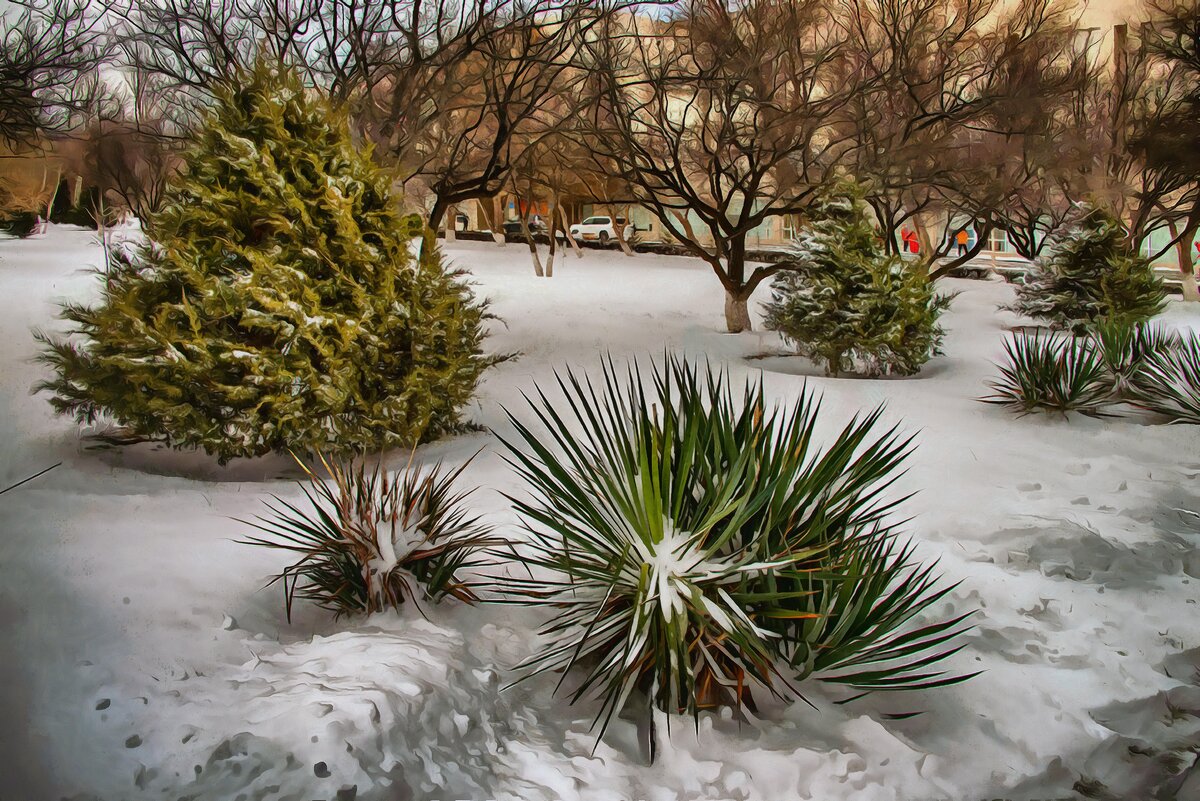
x,y
536,226
601,229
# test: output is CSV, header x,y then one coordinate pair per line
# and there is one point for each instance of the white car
x,y
600,229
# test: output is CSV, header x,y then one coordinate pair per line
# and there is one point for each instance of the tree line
x,y
720,118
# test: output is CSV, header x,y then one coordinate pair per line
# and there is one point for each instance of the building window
x,y
790,227
998,241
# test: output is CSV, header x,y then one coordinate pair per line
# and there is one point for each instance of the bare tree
x,y
964,117
723,119
928,59
48,55
448,92
1161,87
194,46
1011,151
504,98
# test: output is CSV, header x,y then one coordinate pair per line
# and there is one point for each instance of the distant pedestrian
x,y
906,237
962,238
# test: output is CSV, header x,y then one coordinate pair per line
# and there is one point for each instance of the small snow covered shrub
x,y
276,304
694,544
847,304
369,541
1091,273
1169,381
1049,372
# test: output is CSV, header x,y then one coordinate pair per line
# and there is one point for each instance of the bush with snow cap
x,y
848,305
276,304
1091,275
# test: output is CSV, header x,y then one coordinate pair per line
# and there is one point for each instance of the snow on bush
x,y
1091,274
1148,366
850,306
276,304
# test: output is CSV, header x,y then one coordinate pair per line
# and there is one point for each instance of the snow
x,y
145,658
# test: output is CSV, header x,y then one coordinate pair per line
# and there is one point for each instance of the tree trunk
x,y
1187,270
436,214
452,224
497,221
1190,293
54,194
533,252
1183,251
553,240
737,312
618,229
923,243
566,226
981,237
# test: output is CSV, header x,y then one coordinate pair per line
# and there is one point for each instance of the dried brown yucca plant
x,y
372,541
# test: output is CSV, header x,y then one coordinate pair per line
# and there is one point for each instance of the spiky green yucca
x,y
369,541
694,542
1125,349
850,306
1049,372
1091,274
275,304
1169,381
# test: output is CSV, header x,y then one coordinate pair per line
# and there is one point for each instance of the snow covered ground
x,y
143,659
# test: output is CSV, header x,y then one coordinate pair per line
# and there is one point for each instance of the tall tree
x,y
49,50
1164,136
723,119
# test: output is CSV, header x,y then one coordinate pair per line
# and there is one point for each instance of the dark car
x,y
536,226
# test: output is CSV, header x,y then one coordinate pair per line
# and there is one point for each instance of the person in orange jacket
x,y
962,238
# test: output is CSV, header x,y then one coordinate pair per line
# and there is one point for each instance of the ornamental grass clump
x,y
1168,382
695,545
1050,372
370,541
1127,348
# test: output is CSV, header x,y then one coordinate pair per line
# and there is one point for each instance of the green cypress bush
x,y
848,304
1091,274
276,303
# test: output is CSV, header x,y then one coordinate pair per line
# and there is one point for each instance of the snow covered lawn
x,y
143,659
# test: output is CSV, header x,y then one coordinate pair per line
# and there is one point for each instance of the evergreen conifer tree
x,y
1091,274
275,303
847,303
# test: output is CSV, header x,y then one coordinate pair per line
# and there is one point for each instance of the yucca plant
x,y
1049,372
1125,348
1169,381
695,544
369,541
